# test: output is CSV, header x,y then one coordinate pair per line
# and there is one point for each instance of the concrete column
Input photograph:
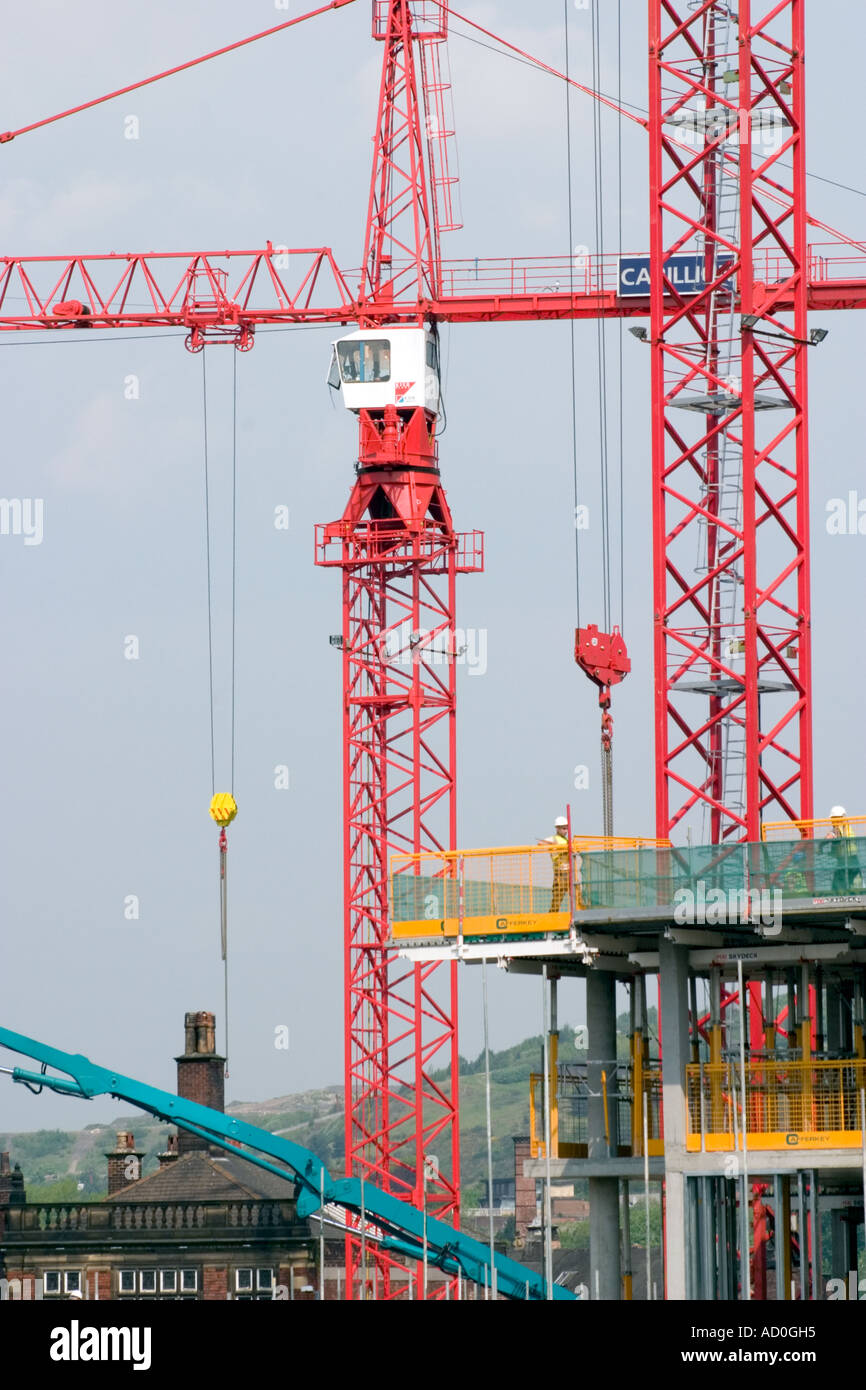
x,y
840,1007
674,979
839,1245
782,1215
604,1245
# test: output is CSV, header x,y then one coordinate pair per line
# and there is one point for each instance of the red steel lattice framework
x,y
729,432
400,556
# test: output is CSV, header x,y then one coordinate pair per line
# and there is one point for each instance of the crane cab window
x,y
366,360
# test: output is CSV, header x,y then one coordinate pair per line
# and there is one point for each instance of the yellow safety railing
x,y
812,829
569,1113
516,889
803,1104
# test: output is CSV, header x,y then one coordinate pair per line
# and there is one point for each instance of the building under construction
x,y
746,1107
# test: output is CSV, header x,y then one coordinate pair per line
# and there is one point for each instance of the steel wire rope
x,y
626,107
233,627
9,135
571,320
601,335
621,325
234,549
209,580
210,618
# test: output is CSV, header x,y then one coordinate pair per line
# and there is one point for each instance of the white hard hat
x,y
836,812
563,820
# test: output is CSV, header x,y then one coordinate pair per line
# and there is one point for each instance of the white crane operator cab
x,y
395,366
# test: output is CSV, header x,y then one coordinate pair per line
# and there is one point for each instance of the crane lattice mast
x,y
729,417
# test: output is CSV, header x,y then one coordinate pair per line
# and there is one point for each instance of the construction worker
x,y
847,876
558,842
795,884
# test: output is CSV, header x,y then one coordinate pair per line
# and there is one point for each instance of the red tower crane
x,y
400,556
729,474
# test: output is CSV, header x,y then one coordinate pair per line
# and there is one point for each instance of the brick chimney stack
x,y
169,1153
525,1204
124,1163
200,1074
11,1184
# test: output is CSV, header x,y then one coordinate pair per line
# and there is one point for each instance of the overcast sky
x,y
106,761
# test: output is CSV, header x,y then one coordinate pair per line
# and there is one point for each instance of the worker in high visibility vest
x,y
795,883
847,877
558,842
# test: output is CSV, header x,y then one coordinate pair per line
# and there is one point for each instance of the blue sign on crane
x,y
685,271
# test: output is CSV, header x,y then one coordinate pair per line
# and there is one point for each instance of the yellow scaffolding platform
x,y
804,1104
623,1112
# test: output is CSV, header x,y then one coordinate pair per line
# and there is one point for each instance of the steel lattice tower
x,y
729,417
399,556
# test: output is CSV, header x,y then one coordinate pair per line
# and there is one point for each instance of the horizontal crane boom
x,y
228,294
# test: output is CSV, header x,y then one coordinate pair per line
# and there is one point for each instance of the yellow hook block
x,y
223,808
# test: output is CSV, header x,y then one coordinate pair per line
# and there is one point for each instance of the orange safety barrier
x,y
817,829
809,1104
516,889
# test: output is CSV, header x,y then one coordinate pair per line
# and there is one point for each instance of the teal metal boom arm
x,y
404,1228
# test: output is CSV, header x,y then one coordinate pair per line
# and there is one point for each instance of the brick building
x,y
206,1225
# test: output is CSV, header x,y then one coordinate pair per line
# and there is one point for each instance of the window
x,y
72,1281
243,1280
334,373
264,1278
151,1281
52,1281
365,360
432,355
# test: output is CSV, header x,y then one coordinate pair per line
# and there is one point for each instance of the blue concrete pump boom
x,y
403,1226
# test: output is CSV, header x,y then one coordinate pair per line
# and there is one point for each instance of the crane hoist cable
x,y
601,323
602,656
571,320
223,807
620,321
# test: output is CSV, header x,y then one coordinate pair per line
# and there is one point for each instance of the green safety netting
x,y
793,868
827,867
645,878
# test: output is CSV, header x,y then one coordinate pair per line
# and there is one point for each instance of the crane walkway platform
x,y
521,896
